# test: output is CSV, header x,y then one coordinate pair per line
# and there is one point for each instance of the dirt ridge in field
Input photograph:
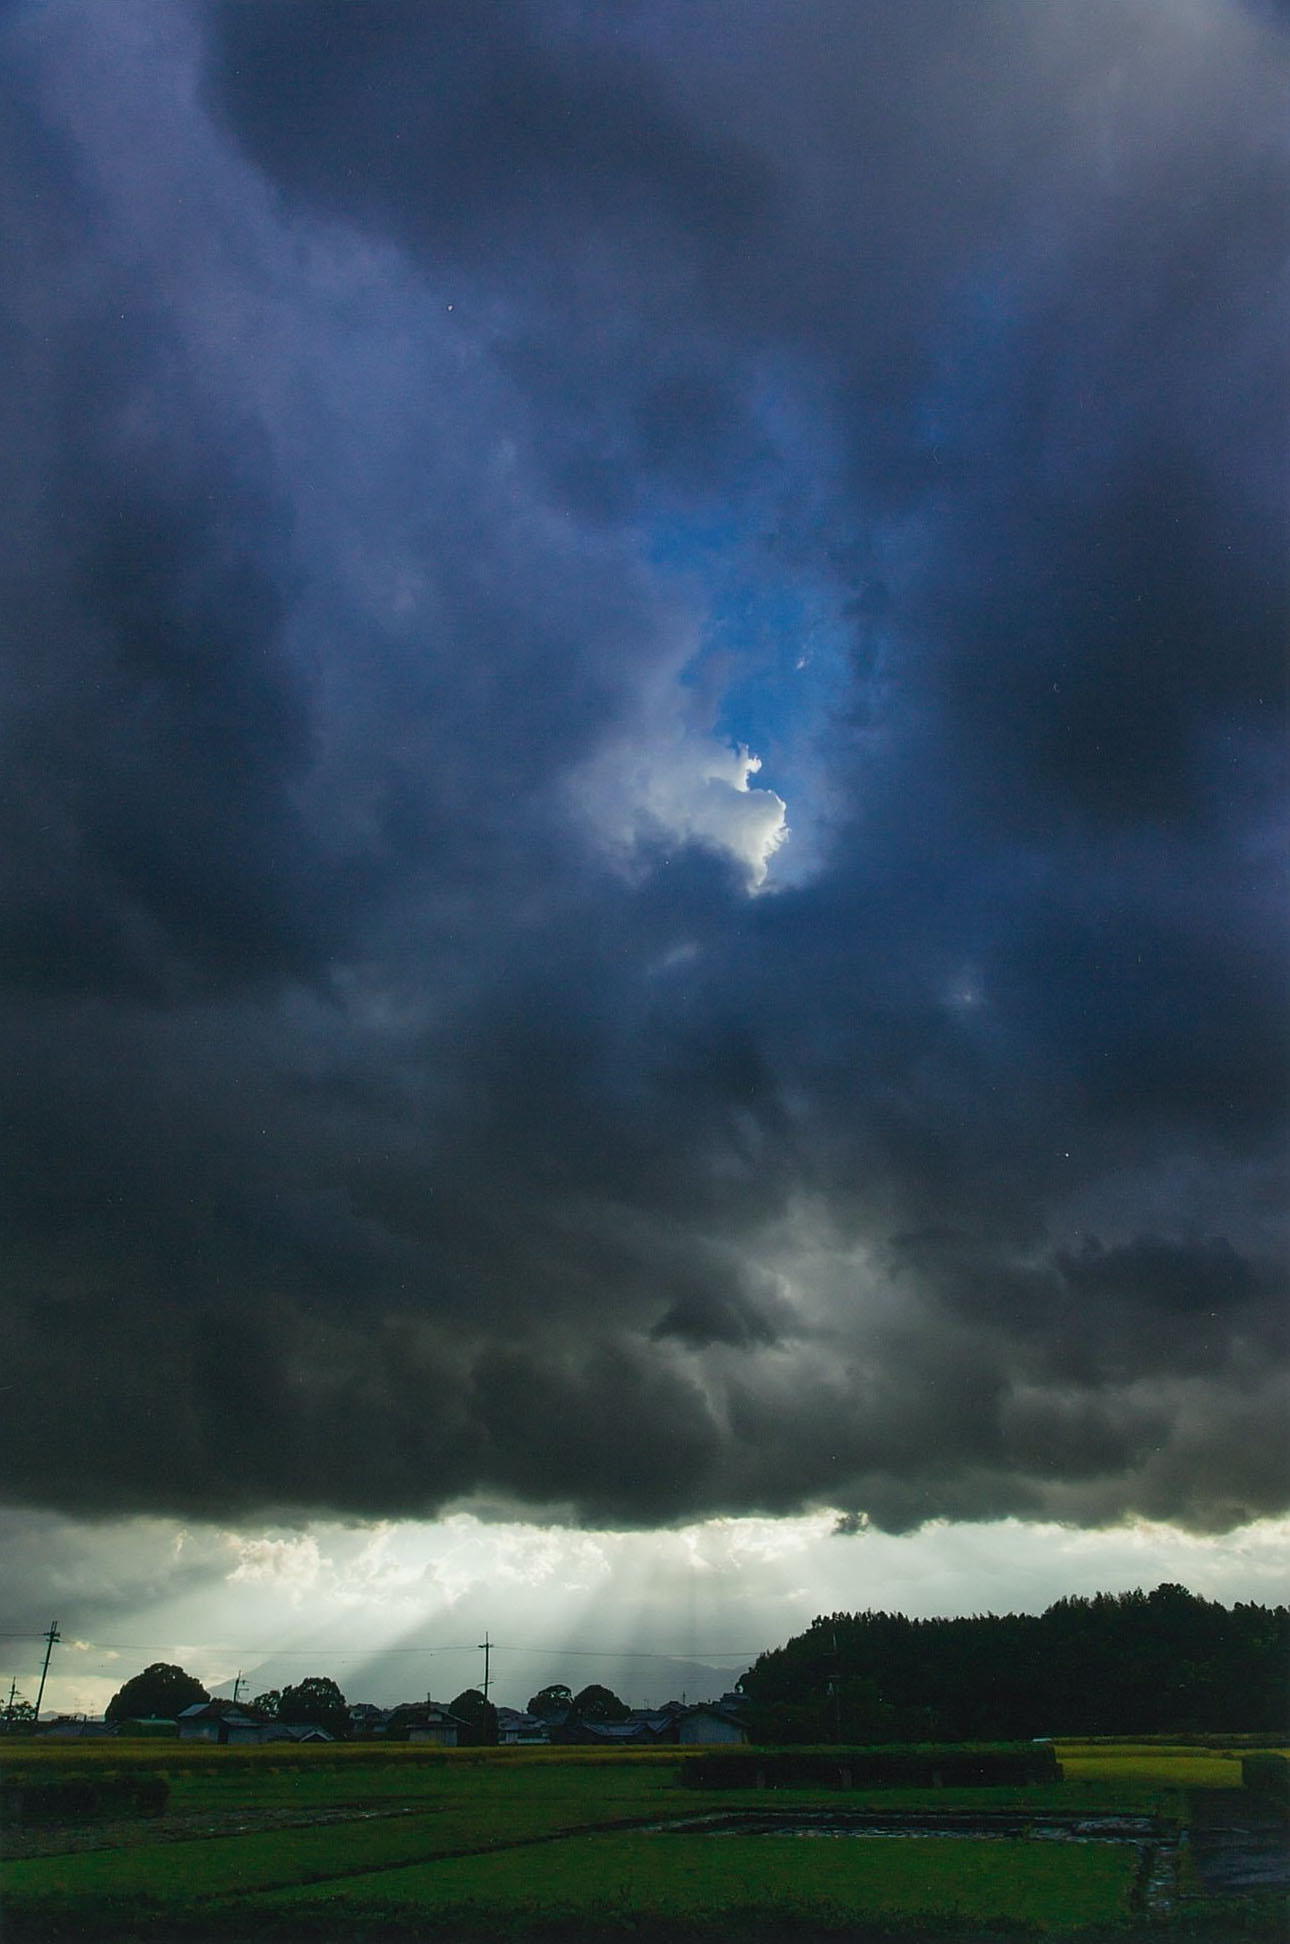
x,y
67,1839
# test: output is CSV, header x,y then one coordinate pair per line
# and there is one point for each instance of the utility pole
x,y
236,1685
486,1648
13,1689
51,1635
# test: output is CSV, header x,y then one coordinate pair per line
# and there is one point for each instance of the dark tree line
x,y
164,1690
1131,1663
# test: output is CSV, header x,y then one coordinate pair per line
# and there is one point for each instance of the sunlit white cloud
x,y
667,781
295,1565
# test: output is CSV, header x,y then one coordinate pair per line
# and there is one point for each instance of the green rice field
x,y
656,1879
347,1842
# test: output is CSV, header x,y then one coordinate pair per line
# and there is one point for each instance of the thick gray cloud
x,y
438,437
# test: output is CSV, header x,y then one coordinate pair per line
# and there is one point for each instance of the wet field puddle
x,y
1039,1827
1239,1842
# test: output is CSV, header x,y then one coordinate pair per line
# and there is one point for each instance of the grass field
x,y
500,1842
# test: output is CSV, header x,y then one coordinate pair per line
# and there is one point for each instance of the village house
x,y
701,1725
708,1723
74,1728
425,1721
365,1718
517,1728
231,1724
601,1734
227,1723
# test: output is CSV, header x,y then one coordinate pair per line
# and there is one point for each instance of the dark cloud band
x,y
428,1081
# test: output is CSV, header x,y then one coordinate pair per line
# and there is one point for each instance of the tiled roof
x,y
219,1711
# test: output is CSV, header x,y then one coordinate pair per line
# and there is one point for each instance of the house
x,y
517,1728
148,1727
74,1728
556,1717
602,1734
709,1722
367,1719
425,1721
230,1724
438,1725
701,1725
657,1721
225,1722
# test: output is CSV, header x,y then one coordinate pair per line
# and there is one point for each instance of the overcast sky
x,y
642,821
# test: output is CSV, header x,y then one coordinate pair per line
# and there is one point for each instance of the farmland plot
x,y
500,1844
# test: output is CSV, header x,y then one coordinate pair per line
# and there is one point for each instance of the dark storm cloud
x,y
408,1100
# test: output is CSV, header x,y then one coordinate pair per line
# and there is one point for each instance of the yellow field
x,y
1181,1765
169,1753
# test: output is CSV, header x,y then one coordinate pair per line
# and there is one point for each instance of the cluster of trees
x,y
165,1690
555,1703
593,1703
1132,1663
316,1702
162,1691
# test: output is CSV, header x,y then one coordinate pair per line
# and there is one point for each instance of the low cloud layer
x,y
446,450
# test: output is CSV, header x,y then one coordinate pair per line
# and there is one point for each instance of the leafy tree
x,y
268,1703
599,1704
479,1717
549,1702
161,1689
19,1714
317,1702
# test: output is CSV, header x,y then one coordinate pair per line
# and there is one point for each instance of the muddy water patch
x,y
967,1825
1239,1842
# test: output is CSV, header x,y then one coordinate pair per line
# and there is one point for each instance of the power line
x,y
632,1653
370,1653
